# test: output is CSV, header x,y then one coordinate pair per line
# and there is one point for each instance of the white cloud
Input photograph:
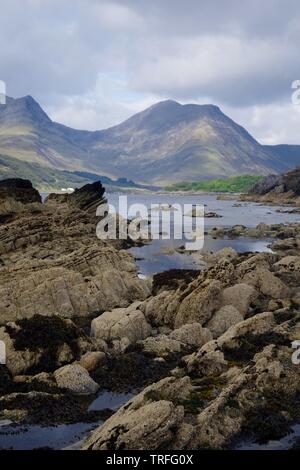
x,y
107,104
271,124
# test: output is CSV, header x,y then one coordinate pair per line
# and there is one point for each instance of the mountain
x,y
27,133
166,143
284,152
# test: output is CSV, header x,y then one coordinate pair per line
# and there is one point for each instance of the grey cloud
x,y
231,53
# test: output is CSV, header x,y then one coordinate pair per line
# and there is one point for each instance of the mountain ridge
x,y
166,143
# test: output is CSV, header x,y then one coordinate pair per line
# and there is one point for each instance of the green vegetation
x,y
233,184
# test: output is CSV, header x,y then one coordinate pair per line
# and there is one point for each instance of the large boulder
x,y
121,327
152,420
259,324
239,296
75,379
288,268
267,283
199,305
256,271
224,319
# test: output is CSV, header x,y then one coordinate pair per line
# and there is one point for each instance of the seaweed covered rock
x,y
172,279
5,379
41,343
260,403
237,345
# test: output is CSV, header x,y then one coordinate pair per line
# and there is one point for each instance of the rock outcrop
x,y
277,189
64,269
20,190
152,420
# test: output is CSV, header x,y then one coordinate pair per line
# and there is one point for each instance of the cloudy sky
x,y
93,63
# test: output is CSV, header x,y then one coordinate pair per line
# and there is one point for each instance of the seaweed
x,y
173,278
130,371
250,344
46,334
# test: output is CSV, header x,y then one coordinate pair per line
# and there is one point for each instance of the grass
x,y
233,184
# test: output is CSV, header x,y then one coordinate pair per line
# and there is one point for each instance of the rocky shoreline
x,y
277,189
208,354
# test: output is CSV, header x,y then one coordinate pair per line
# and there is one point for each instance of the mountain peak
x,y
23,110
166,104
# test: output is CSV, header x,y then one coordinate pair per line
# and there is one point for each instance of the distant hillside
x,y
48,179
285,153
43,178
233,184
166,143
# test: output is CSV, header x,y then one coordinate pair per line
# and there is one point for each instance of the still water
x,y
160,255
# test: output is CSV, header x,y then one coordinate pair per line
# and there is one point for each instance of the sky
x,y
93,63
